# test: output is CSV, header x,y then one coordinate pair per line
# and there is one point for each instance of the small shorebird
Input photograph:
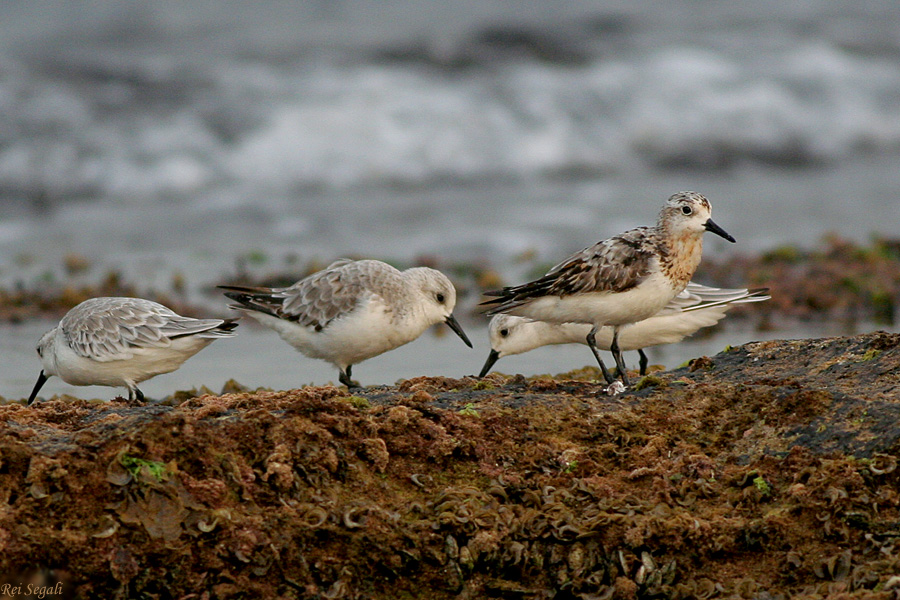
x,y
120,342
697,306
353,310
622,280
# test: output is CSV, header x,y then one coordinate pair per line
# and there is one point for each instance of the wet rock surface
x,y
766,471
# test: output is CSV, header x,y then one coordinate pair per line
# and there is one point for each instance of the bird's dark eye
x,y
686,210
504,332
440,298
40,352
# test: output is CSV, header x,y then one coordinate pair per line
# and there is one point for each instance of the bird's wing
x,y
697,297
613,265
111,328
317,300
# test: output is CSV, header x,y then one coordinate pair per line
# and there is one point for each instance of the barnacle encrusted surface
x,y
768,471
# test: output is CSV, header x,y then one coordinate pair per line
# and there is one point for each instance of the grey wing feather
x,y
322,297
317,300
697,297
340,262
109,328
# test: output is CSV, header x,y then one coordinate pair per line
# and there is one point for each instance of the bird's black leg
x,y
134,392
617,354
592,344
344,377
644,362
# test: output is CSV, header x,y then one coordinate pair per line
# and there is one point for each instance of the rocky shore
x,y
766,471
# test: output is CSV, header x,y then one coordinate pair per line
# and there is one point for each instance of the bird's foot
x,y
621,375
344,377
351,385
129,401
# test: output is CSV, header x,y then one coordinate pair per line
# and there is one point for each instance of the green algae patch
x,y
358,402
871,354
139,467
649,381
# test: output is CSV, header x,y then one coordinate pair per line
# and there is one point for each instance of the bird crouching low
x,y
120,342
697,306
353,310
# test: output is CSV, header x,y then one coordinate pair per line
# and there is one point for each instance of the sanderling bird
x,y
120,342
353,310
622,280
697,306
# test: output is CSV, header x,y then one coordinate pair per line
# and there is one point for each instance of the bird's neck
x,y
681,256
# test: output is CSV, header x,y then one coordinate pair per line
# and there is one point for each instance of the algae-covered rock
x,y
767,471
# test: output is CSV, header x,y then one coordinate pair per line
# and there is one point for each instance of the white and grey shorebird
x,y
353,310
120,342
697,306
621,280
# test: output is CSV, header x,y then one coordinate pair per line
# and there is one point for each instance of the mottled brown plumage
x,y
613,265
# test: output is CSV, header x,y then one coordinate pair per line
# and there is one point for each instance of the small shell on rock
x,y
893,583
416,478
207,526
37,490
882,464
348,520
834,568
575,559
466,558
116,474
516,550
108,527
451,548
615,388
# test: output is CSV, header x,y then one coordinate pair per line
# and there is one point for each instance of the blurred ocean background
x,y
172,137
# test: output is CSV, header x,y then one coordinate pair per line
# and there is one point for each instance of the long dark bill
x,y
711,226
42,379
453,324
491,359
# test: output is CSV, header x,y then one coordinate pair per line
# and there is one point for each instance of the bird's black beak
x,y
491,359
42,379
453,324
711,226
